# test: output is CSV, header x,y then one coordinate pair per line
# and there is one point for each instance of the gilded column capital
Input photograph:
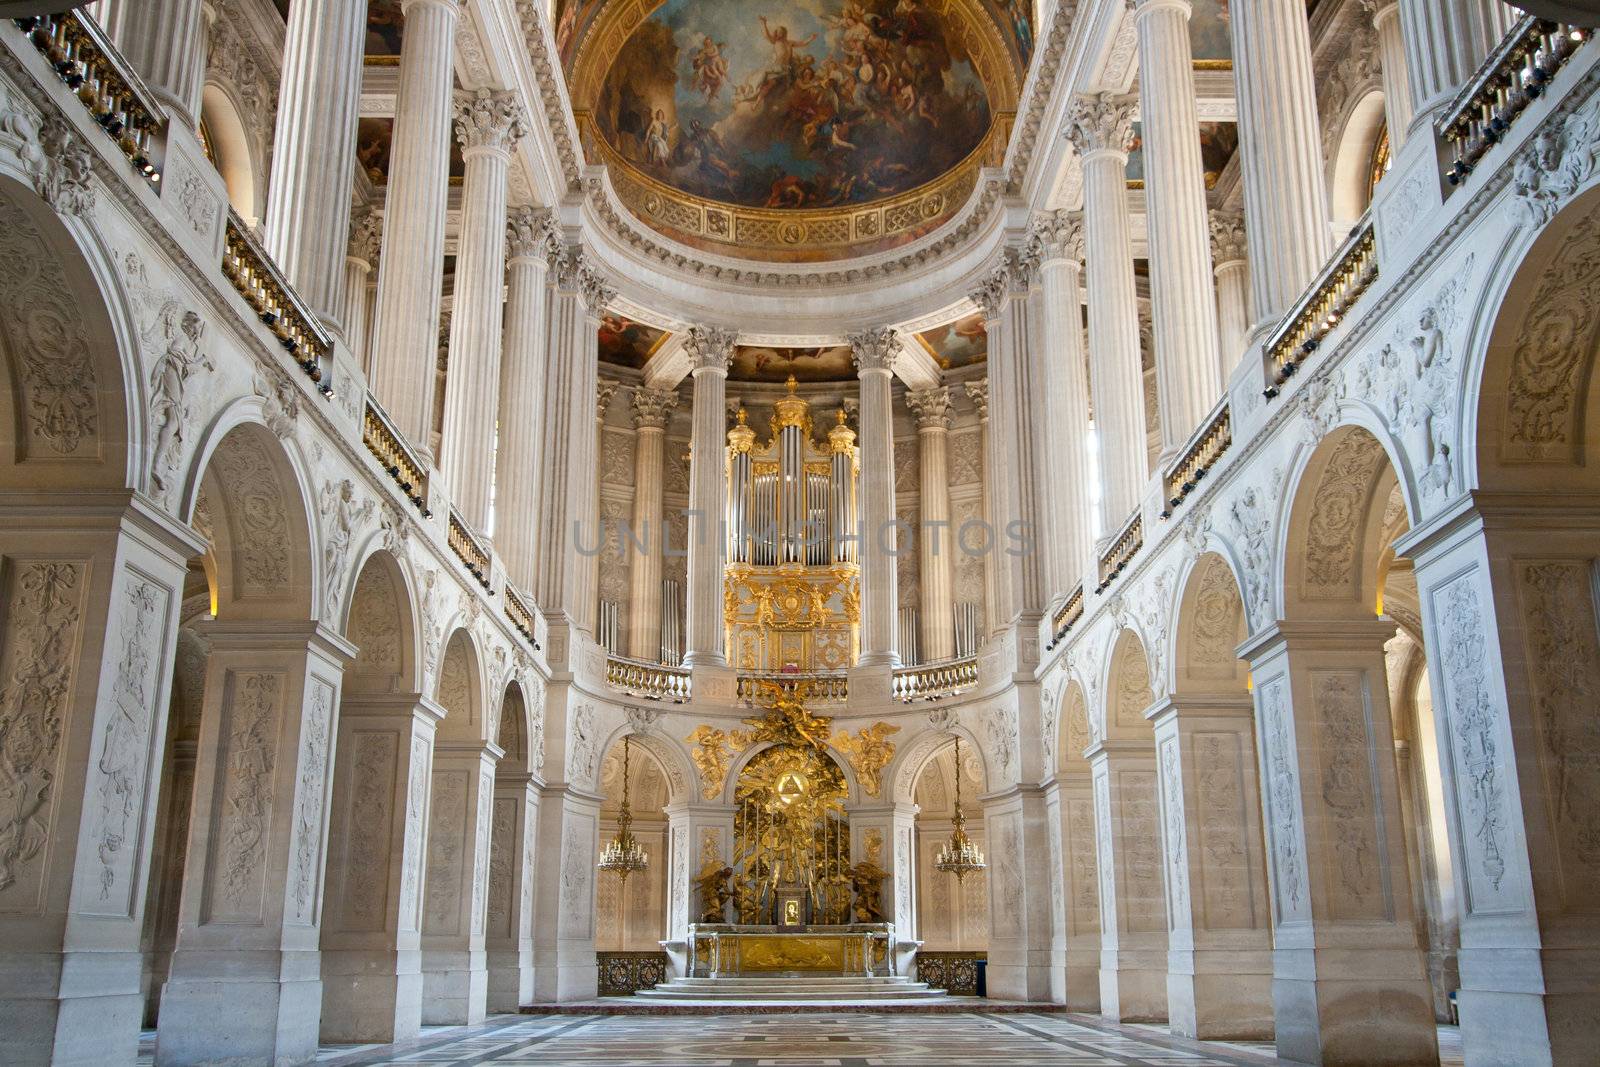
x,y
653,407
366,237
487,118
710,348
978,393
532,233
1056,235
1228,243
932,407
605,389
874,349
1097,124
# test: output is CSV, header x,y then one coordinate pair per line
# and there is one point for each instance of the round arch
x,y
730,785
1210,624
1350,168
1127,689
676,769
915,755
381,621
228,142
460,689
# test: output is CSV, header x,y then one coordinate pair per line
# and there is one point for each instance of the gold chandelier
x,y
959,856
623,854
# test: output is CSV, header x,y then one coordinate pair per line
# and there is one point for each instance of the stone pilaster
x,y
874,352
652,408
165,41
978,393
455,975
1022,964
488,125
1285,195
405,327
1100,129
1445,42
1397,103
710,349
314,151
936,552
1133,920
525,340
360,260
1183,313
508,937
1229,258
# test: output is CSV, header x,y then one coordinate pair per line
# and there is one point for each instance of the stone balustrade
x,y
1351,272
1205,447
1122,548
274,301
931,681
468,548
1066,616
653,681
394,455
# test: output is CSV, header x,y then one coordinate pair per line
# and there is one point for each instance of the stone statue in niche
x,y
715,886
866,879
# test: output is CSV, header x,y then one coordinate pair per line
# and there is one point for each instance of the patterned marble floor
x,y
854,1040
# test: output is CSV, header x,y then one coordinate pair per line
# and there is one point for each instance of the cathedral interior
x,y
799,531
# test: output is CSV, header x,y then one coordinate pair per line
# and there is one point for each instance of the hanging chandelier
x,y
959,856
623,854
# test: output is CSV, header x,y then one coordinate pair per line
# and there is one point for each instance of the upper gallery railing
x,y
468,549
1514,75
653,681
394,455
274,301
1067,615
930,681
108,87
1351,272
1116,556
1205,447
520,612
820,688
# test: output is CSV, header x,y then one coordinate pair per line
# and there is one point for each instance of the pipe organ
x,y
792,583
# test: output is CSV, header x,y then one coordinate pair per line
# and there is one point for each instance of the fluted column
x,y
652,408
936,551
978,393
489,124
875,352
405,329
165,41
1285,196
1064,425
360,260
314,149
530,240
1445,42
710,348
1100,129
1183,315
1229,254
1397,107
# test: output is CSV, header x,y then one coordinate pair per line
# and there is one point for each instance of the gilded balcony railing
x,y
269,295
1115,558
1067,615
930,681
1205,447
820,688
520,614
1350,273
106,84
1514,76
468,549
653,681
394,455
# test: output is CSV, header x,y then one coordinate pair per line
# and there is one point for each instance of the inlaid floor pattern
x,y
833,1040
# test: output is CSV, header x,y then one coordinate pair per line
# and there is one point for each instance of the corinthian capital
x,y
575,272
874,349
1228,242
978,393
1055,235
532,232
1101,123
710,347
366,236
653,407
932,407
489,119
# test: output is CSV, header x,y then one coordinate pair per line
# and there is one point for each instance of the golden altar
x,y
727,950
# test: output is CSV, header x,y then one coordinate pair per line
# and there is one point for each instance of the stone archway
x,y
1080,867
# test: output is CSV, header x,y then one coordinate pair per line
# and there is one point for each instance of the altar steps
x,y
791,990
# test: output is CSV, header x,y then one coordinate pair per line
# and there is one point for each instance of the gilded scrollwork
x,y
869,751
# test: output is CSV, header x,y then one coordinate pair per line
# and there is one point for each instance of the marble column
x,y
710,348
1100,128
455,974
652,409
405,327
1133,919
165,42
1064,419
360,260
874,352
314,150
371,923
1349,985
1397,104
936,551
508,937
1229,257
1219,951
978,393
245,983
1445,43
530,239
1285,194
489,125
1183,313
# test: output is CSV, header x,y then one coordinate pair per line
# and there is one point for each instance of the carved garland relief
x,y
1340,701
309,802
243,806
367,830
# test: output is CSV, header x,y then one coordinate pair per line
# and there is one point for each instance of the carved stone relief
x,y
1251,515
1216,624
583,745
1006,900
1333,532
481,833
365,900
309,802
375,625
1221,826
342,515
1140,843
1173,836
447,840
247,765
1283,802
257,520
1340,699
413,861
577,878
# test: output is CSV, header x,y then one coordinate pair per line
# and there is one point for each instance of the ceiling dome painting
x,y
798,129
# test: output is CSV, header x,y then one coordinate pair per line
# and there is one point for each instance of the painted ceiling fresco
x,y
754,363
1218,142
626,343
1209,31
384,23
794,103
957,344
375,136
